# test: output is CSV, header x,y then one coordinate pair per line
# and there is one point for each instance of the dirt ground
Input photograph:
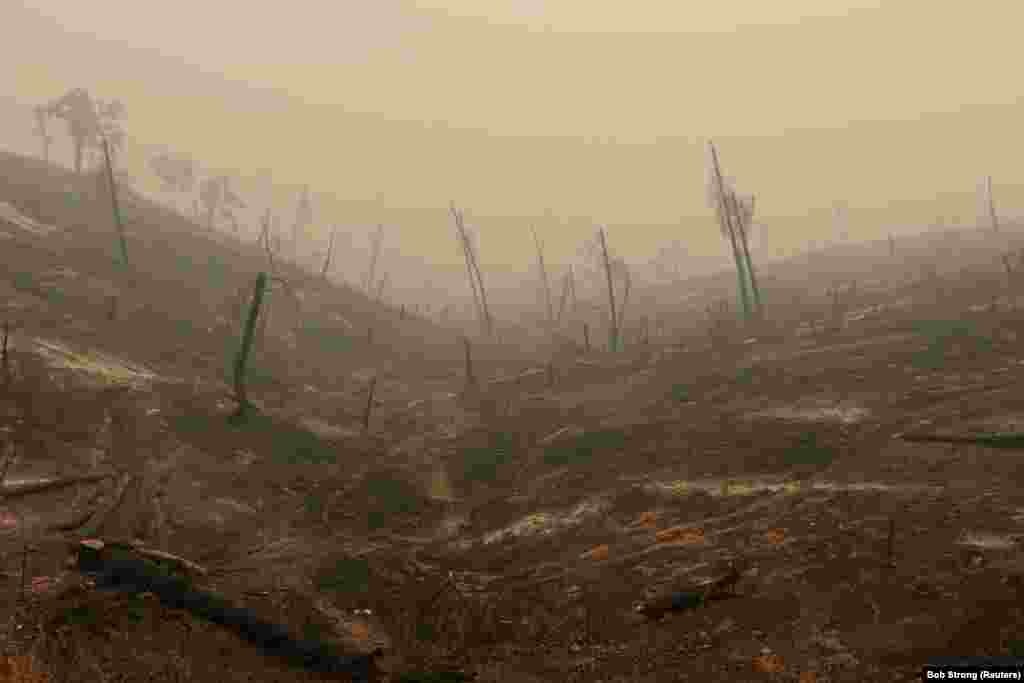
x,y
507,530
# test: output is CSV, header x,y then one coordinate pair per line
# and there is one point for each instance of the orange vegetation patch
x,y
20,669
599,553
680,534
768,663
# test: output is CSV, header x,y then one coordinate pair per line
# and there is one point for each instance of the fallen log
x,y
12,490
113,571
995,440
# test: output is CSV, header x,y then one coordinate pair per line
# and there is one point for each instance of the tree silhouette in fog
x,y
89,122
219,201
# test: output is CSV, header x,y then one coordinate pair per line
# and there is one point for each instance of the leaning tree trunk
x,y
748,262
728,227
613,341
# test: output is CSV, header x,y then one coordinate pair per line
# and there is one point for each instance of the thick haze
x,y
592,108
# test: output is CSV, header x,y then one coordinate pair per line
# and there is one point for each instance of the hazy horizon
x,y
596,111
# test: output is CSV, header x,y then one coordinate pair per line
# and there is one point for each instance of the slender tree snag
x,y
488,321
991,204
726,223
586,337
544,278
613,341
892,246
563,298
242,359
375,244
473,266
112,186
327,259
572,291
469,263
744,213
369,404
265,240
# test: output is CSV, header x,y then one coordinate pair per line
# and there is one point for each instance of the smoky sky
x,y
593,109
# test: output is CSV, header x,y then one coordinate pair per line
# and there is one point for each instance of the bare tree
x,y
568,288
743,209
613,342
176,174
990,200
731,223
330,252
544,278
476,281
77,110
375,243
218,200
303,219
110,130
667,261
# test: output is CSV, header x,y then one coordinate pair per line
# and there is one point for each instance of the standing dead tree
x,y
118,222
476,280
990,201
743,208
571,282
613,332
470,272
272,248
242,358
381,286
176,174
544,279
303,219
568,292
369,281
76,108
89,122
368,410
330,251
264,240
720,196
218,200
